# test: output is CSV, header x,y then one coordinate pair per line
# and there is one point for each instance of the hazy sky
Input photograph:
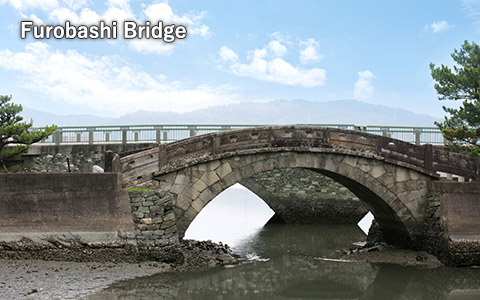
x,y
374,51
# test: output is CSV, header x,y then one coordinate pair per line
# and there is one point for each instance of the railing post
x,y
135,136
165,136
79,137
107,137
417,136
90,137
157,135
108,160
428,156
112,162
384,132
124,136
58,137
192,132
162,156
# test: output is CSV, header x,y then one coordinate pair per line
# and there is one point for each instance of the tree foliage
x,y
462,82
15,132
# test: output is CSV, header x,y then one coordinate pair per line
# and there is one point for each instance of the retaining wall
x,y
460,208
89,206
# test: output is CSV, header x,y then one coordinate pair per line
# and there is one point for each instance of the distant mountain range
x,y
273,112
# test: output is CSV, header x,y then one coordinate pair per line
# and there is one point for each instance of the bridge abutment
x,y
452,227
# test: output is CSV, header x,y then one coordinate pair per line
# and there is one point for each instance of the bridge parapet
x,y
425,159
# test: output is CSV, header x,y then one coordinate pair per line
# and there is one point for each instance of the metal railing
x,y
168,133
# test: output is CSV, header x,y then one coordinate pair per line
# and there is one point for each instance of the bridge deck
x,y
176,155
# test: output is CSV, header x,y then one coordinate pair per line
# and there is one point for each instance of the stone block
x,y
183,202
143,209
177,188
158,210
147,203
169,216
331,165
216,189
351,160
196,174
206,196
157,220
257,167
190,214
190,192
210,177
170,230
228,181
159,232
182,179
197,205
167,223
377,171
168,178
147,221
223,170
402,175
138,215
200,185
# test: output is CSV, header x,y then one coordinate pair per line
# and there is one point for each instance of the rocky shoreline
x,y
72,270
188,254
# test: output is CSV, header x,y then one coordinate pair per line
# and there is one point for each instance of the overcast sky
x,y
373,51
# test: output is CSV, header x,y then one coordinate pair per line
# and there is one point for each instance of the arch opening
x,y
392,228
232,216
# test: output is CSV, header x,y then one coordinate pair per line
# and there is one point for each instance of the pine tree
x,y
15,132
462,127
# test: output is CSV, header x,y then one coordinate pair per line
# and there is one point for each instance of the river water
x,y
291,262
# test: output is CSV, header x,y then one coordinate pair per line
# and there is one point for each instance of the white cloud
x,y
471,7
309,52
363,88
437,27
227,54
163,11
105,83
277,48
267,64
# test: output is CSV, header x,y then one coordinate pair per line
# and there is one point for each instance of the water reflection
x,y
296,270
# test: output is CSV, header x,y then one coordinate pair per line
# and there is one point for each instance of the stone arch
x,y
394,194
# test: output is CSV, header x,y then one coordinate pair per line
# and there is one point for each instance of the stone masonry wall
x,y
302,196
303,184
53,159
153,216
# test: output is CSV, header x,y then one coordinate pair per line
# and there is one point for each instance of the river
x,y
291,262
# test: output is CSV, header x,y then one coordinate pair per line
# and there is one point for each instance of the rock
x,y
97,169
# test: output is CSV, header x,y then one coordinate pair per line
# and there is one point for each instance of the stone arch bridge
x,y
391,177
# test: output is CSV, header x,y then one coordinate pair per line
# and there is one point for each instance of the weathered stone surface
x,y
391,177
160,215
210,177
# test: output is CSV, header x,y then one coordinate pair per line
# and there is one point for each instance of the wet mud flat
x,y
72,271
384,254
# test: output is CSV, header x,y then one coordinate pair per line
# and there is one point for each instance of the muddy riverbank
x,y
59,272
